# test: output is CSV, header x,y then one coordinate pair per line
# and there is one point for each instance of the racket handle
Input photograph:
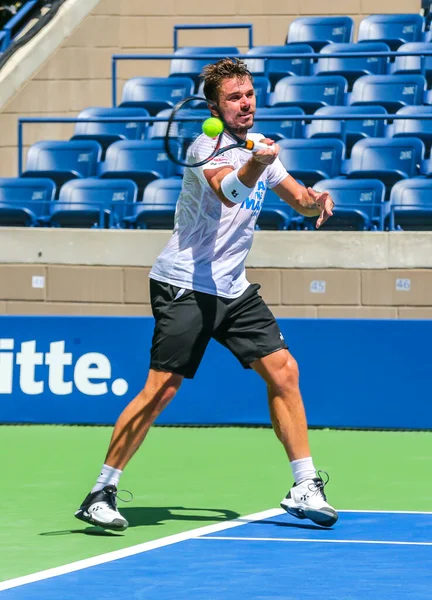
x,y
256,146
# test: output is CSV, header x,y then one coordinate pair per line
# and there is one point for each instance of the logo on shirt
x,y
254,202
234,193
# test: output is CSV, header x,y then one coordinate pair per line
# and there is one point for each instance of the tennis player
x,y
199,291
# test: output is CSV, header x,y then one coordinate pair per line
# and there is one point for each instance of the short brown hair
x,y
226,68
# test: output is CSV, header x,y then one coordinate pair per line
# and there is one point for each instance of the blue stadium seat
x,y
391,91
276,214
262,88
389,160
156,93
310,93
108,132
312,160
192,67
414,65
25,202
62,161
411,204
157,209
93,203
283,127
393,30
359,205
276,69
187,130
420,128
319,31
349,131
353,68
141,161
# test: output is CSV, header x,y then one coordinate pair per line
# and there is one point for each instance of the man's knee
x,y
286,378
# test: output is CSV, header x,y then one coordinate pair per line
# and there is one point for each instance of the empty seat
x,y
415,65
276,69
353,68
351,130
319,31
389,160
156,93
420,128
391,91
141,161
359,205
312,160
25,202
411,204
158,206
93,203
393,30
192,67
283,127
107,132
310,93
276,214
62,161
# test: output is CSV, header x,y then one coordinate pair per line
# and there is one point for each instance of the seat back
x,y
187,130
158,206
310,93
112,130
283,127
93,202
393,30
276,69
421,128
79,157
313,159
319,31
23,201
156,93
359,204
411,204
383,154
192,67
275,214
353,68
421,65
391,91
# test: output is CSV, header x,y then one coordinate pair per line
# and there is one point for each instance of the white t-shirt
x,y
210,242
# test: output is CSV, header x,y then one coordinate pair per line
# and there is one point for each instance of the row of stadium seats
x,y
393,30
360,205
278,67
308,160
349,131
308,92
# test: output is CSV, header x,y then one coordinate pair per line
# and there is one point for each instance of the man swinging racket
x,y
199,291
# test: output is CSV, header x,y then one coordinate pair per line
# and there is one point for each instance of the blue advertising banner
x,y
353,373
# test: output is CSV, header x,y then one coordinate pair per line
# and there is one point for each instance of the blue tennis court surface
x,y
367,555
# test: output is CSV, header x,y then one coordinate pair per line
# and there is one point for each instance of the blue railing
x,y
266,56
247,26
15,23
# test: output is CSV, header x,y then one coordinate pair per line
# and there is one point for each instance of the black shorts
x,y
186,321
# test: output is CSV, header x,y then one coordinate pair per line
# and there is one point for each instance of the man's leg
x,y
99,507
306,499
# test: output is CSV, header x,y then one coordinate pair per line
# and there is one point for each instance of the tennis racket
x,y
181,130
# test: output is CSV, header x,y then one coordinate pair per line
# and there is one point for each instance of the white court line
x,y
159,543
319,540
137,549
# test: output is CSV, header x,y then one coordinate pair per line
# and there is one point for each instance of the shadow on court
x,y
155,515
294,525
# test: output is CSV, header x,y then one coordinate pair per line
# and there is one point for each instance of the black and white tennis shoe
x,y
100,508
307,500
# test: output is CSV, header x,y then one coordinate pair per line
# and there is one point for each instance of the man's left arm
x,y
305,201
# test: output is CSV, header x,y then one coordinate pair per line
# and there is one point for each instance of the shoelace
x,y
318,485
113,495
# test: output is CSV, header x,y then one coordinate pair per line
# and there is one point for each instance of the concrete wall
x,y
78,74
306,274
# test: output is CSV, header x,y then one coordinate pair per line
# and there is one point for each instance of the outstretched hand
x,y
324,202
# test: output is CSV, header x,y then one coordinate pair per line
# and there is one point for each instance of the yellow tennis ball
x,y
212,127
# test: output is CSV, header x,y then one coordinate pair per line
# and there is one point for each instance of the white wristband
x,y
233,189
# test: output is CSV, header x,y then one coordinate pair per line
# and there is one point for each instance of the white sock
x,y
108,476
302,469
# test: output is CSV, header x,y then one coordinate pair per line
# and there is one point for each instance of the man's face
x,y
237,103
